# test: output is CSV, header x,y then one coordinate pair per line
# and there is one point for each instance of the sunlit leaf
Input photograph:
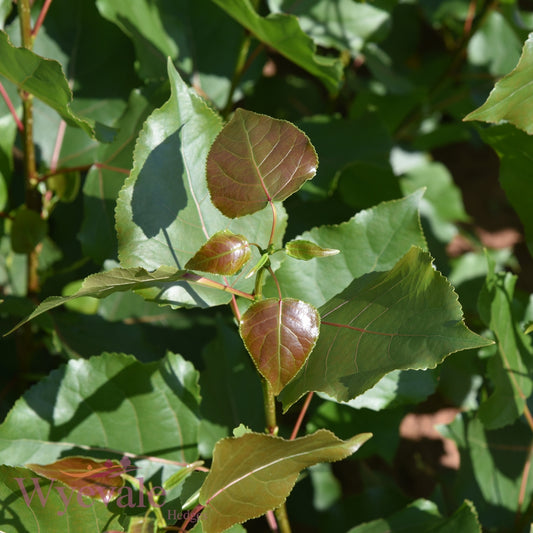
x,y
255,473
256,159
280,334
103,284
223,253
511,99
283,33
406,318
305,250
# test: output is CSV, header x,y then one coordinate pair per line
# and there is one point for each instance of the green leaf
x,y
407,318
514,149
112,404
279,334
373,240
28,229
224,253
255,473
103,284
81,515
44,78
510,368
511,98
283,33
423,516
306,250
341,24
164,214
65,186
256,159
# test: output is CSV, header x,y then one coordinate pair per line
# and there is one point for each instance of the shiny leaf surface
x,y
305,250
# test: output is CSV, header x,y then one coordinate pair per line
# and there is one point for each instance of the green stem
x,y
270,407
238,72
283,519
206,282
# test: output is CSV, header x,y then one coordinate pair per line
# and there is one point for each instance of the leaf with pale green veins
x,y
406,318
256,159
512,97
279,334
284,34
254,473
373,240
164,213
44,79
224,253
103,284
81,515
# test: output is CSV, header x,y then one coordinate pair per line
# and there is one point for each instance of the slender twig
x,y
11,107
274,222
283,519
304,409
190,517
81,168
237,73
523,484
206,282
40,18
57,146
270,407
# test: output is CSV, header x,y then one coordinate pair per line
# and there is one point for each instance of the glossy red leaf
x,y
255,159
280,335
96,479
224,253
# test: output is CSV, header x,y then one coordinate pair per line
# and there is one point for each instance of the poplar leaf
x,y
305,250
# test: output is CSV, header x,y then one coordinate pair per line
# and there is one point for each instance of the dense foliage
x,y
268,234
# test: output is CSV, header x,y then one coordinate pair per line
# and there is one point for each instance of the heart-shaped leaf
x,y
224,253
305,250
254,473
280,335
98,479
256,159
406,318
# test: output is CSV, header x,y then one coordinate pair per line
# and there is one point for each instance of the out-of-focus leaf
x,y
224,253
341,24
102,284
510,368
31,503
306,250
279,334
256,159
406,318
514,149
65,186
28,229
44,78
423,516
511,99
283,33
111,402
373,240
255,473
164,213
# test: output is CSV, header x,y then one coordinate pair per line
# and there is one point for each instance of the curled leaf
x,y
306,250
256,159
224,253
280,335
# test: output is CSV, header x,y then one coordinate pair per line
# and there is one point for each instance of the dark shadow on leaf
x,y
159,194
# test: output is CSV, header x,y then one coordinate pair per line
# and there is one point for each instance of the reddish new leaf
x,y
279,335
96,479
256,159
224,253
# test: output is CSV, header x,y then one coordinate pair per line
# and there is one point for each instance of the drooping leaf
x,y
103,284
373,240
511,98
99,479
31,503
283,33
406,318
28,229
111,403
306,250
342,24
224,253
510,368
254,473
164,214
279,334
256,159
44,78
